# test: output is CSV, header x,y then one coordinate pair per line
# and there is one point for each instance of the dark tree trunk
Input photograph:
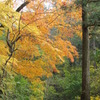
x,y
85,55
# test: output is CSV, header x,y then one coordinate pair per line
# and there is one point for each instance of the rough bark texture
x,y
85,58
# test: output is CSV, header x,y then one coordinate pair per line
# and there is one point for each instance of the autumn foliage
x,y
37,50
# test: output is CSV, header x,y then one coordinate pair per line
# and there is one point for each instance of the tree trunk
x,y
85,55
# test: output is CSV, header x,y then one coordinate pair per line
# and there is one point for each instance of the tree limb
x,y
89,1
22,6
93,24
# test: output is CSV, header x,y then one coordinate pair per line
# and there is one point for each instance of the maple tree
x,y
27,45
47,51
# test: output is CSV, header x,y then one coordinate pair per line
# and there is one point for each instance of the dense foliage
x,y
41,49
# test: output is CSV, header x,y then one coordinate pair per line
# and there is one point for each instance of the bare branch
x,y
22,6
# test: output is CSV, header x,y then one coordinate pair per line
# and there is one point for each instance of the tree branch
x,y
93,24
89,1
22,6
